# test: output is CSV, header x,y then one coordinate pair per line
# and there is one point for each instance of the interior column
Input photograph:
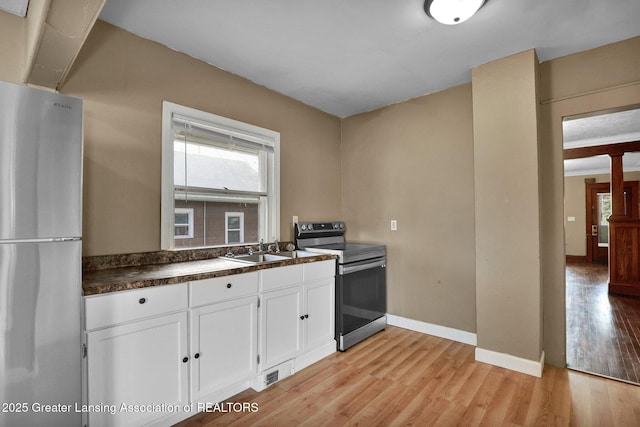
x,y
617,187
507,213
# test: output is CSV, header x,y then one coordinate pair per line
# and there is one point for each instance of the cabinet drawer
x,y
319,270
119,307
217,289
281,277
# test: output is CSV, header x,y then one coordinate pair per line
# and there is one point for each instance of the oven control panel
x,y
320,228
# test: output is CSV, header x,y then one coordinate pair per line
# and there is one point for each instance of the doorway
x,y
598,210
601,329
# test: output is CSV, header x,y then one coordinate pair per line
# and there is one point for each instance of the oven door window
x,y
361,298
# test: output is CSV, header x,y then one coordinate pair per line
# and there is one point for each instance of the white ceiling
x,y
350,56
600,165
601,129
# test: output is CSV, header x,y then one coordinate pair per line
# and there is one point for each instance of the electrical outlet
x,y
394,225
295,219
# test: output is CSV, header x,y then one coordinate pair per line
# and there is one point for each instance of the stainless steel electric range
x,y
361,288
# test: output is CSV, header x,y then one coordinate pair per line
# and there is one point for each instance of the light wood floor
x,y
603,331
399,377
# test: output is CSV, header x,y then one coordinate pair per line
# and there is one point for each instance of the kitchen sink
x,y
258,258
265,258
296,254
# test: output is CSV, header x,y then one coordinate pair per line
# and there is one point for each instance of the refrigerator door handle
x,y
52,239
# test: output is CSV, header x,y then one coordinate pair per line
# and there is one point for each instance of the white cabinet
x,y
119,307
139,363
319,270
132,337
281,325
217,289
318,325
224,340
202,341
299,318
224,333
281,277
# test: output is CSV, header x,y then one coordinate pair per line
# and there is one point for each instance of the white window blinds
x,y
221,134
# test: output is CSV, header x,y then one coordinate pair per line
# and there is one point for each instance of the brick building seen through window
x,y
210,227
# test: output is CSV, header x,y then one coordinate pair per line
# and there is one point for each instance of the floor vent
x,y
278,373
271,378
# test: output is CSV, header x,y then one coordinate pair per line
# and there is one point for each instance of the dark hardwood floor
x,y
603,331
400,377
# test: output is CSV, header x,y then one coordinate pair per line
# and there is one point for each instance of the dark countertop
x,y
103,281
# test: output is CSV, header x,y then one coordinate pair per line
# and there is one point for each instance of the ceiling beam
x,y
598,150
59,40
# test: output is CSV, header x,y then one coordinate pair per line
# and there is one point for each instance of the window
x,y
234,224
224,172
183,223
604,212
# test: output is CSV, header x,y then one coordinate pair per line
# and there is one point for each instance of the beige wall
x,y
574,205
593,80
123,80
413,162
13,32
505,132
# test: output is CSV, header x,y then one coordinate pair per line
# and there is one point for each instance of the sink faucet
x,y
274,248
249,250
261,246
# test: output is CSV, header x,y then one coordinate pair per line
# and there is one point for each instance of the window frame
x,y
228,215
189,212
269,217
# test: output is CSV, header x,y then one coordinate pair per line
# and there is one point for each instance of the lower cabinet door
x,y
138,372
282,320
224,340
319,302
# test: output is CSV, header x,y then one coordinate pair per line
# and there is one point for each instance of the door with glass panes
x,y
598,206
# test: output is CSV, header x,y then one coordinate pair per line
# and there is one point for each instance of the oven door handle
x,y
347,269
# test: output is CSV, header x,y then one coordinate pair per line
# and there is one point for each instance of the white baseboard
x,y
503,360
431,329
508,361
315,355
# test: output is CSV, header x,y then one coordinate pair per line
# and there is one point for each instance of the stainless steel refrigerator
x,y
40,257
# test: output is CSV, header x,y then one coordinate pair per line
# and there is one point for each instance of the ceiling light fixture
x,y
452,12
